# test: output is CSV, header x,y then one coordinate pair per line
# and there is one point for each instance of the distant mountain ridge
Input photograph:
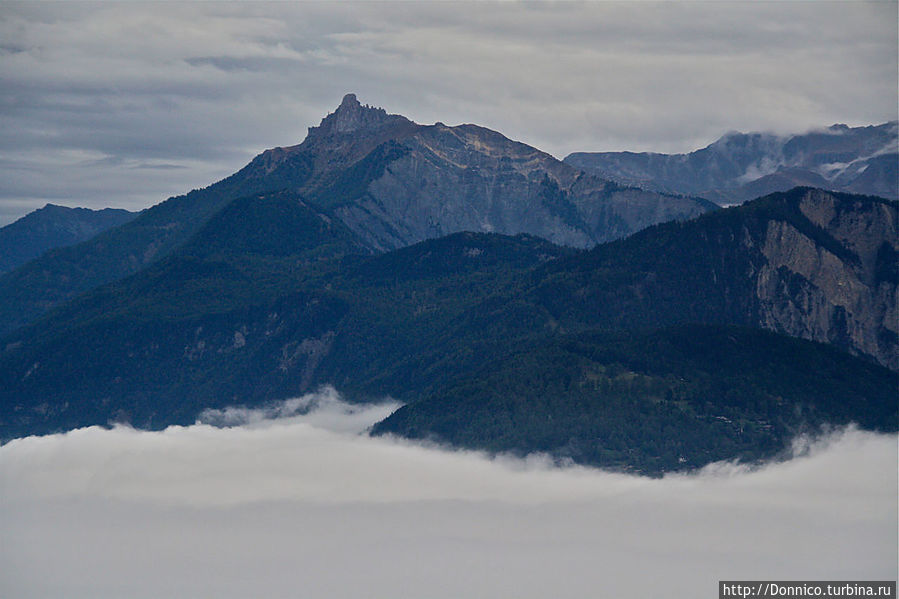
x,y
742,166
389,180
52,227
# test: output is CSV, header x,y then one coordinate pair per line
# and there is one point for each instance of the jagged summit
x,y
348,134
352,116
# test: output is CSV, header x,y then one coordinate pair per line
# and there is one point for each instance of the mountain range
x,y
742,166
552,326
276,311
389,180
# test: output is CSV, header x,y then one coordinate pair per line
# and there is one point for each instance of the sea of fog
x,y
297,501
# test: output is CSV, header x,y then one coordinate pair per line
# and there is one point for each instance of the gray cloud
x,y
304,505
207,86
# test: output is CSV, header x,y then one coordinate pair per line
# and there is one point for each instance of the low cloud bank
x,y
296,500
324,410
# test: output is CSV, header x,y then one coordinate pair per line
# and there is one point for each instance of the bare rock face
x,y
351,116
843,293
449,179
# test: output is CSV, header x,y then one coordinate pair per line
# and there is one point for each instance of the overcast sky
x,y
126,104
304,506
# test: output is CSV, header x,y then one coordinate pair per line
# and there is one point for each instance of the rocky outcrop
x,y
807,263
843,293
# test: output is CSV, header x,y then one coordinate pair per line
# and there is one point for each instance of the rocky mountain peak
x,y
352,117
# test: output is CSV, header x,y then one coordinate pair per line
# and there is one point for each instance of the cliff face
x,y
844,294
807,263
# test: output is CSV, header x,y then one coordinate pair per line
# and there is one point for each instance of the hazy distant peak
x,y
740,139
53,226
740,166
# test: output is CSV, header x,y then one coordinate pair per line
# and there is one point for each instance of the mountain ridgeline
x,y
53,227
642,354
390,181
743,166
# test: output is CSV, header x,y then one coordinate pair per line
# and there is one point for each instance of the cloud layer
x,y
125,104
305,505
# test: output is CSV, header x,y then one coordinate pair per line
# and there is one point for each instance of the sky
x,y
289,503
126,104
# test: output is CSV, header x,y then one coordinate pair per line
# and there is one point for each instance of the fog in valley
x,y
297,501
